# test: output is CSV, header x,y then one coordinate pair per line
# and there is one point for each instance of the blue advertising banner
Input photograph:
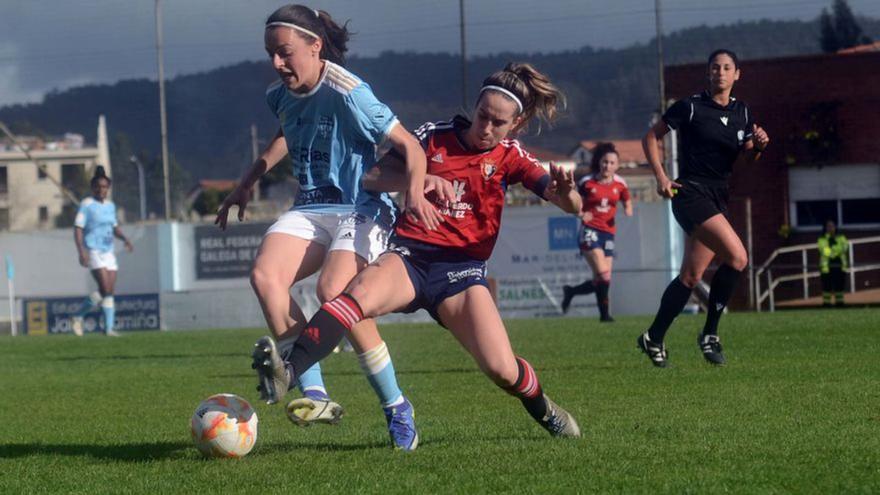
x,y
562,233
54,315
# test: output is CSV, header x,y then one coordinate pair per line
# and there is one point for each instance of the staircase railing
x,y
804,274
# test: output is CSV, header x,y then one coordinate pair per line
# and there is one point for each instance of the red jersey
x,y
601,200
480,180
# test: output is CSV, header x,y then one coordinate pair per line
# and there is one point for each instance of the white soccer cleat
x,y
305,411
558,422
272,373
76,325
112,333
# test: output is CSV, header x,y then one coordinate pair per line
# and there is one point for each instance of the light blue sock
x,y
109,307
91,302
379,369
311,383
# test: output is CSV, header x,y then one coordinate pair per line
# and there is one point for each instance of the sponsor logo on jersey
x,y
724,120
488,168
438,158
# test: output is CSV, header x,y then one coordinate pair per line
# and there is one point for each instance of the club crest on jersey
x,y
724,120
325,126
488,169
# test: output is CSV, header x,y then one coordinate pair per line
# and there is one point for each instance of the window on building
x,y
847,194
44,214
815,213
72,175
41,174
4,218
4,181
860,211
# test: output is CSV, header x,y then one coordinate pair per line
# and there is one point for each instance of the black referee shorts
x,y
697,202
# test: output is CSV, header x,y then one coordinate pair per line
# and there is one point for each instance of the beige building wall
x,y
27,190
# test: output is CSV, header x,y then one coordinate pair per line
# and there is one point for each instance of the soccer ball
x,y
224,425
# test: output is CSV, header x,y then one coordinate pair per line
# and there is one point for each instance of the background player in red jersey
x,y
601,190
444,270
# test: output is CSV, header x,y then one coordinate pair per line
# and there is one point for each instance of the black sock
x,y
723,283
602,298
674,298
585,288
528,390
324,332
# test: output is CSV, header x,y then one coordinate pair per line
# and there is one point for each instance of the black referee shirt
x,y
710,136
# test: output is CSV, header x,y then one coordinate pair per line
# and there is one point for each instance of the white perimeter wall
x,y
534,257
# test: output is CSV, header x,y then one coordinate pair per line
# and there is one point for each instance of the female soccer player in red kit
x,y
601,191
444,270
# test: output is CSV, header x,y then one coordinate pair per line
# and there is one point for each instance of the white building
x,y
29,199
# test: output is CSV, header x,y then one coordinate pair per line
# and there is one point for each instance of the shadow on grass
x,y
440,371
134,452
360,373
150,356
299,448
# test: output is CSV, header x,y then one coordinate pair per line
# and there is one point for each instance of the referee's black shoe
x,y
655,352
711,347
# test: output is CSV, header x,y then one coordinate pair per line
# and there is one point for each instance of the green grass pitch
x,y
796,410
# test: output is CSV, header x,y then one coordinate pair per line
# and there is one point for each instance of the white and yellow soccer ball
x,y
224,425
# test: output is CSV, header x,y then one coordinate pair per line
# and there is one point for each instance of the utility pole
x,y
464,98
162,116
661,78
142,185
255,153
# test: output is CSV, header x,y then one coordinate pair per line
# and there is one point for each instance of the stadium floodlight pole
x,y
41,167
464,100
142,185
162,116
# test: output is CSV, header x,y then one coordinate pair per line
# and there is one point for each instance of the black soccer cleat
x,y
655,352
566,298
606,319
711,347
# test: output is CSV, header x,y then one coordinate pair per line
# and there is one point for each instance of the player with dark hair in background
x,y
716,133
94,229
601,190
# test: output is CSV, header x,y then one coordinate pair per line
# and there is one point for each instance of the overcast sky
x,y
56,44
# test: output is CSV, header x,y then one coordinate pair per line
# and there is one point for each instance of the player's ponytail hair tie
x,y
506,92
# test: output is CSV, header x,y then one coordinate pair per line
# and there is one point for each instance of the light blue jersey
x,y
97,220
332,134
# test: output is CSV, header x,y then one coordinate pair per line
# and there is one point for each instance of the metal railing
x,y
804,274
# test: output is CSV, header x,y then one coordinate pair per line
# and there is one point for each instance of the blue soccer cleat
x,y
402,426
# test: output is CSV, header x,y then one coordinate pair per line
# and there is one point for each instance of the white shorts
x,y
338,231
99,259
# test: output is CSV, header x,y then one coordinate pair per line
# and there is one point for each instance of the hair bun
x,y
100,172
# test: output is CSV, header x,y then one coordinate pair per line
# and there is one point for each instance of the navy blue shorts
x,y
436,272
590,238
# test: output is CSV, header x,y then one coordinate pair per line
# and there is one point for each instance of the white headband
x,y
294,26
515,99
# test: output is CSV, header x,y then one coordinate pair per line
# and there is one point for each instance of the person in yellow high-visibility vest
x,y
833,262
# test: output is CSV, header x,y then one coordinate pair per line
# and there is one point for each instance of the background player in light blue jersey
x,y
331,125
94,230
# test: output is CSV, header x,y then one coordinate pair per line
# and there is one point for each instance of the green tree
x,y
840,29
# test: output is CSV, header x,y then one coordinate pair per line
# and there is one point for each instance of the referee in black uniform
x,y
717,133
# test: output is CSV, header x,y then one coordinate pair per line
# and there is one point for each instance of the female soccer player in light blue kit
x,y
94,229
331,125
